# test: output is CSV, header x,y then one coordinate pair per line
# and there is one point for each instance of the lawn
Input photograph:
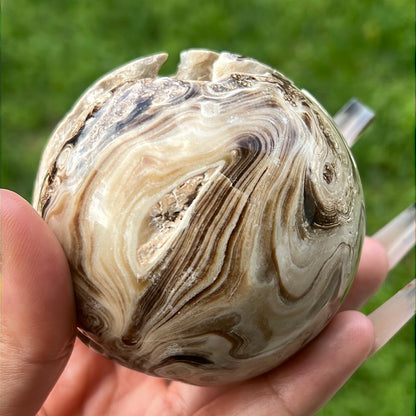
x,y
52,50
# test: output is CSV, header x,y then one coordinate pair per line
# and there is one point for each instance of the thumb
x,y
37,308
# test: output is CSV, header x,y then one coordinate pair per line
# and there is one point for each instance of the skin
x,y
45,370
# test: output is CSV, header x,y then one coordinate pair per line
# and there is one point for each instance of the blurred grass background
x,y
52,50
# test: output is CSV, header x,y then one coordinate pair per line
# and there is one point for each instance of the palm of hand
x,y
93,385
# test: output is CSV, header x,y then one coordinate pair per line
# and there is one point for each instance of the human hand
x,y
38,332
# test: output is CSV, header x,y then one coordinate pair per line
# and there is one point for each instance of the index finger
x,y
372,271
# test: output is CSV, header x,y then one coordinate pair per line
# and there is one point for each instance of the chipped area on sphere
x,y
213,220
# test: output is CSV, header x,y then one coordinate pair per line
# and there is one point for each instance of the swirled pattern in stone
x,y
212,220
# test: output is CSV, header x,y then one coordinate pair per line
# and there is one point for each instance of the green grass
x,y
52,50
